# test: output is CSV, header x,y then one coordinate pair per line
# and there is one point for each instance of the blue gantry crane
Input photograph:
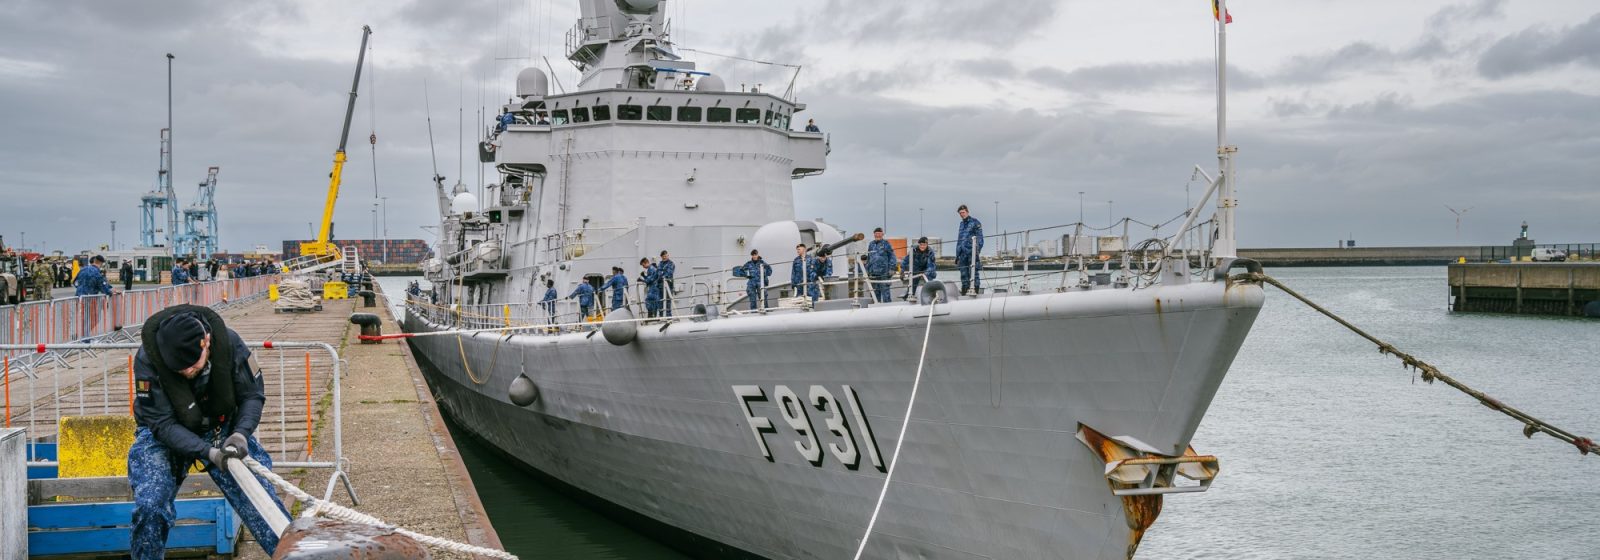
x,y
162,198
199,237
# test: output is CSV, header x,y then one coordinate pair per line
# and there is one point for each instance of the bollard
x,y
371,326
326,539
368,298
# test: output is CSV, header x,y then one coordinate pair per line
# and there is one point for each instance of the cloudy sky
x,y
1364,117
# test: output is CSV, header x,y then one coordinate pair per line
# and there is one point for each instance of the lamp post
x,y
114,235
885,222
1110,211
919,223
1080,207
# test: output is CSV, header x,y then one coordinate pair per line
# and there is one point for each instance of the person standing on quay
x,y
126,275
969,244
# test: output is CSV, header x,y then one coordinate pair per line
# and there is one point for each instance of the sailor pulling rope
x,y
1530,424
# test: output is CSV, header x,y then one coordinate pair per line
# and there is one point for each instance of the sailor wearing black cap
x,y
919,263
199,397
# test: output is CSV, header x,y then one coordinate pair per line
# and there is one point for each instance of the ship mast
x,y
1226,246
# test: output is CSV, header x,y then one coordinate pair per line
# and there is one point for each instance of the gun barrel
x,y
829,248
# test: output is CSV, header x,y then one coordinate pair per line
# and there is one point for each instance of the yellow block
x,y
272,292
335,290
94,445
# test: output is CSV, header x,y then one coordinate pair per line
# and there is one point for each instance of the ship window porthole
x,y
748,116
688,114
602,112
719,114
629,112
659,113
580,114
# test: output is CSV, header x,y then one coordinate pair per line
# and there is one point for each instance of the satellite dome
x,y
638,6
532,82
464,203
711,83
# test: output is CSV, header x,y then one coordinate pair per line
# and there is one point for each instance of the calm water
x,y
1329,450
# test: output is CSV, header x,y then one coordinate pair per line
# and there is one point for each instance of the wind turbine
x,y
1459,214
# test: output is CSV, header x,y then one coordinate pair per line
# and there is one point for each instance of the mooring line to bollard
x,y
894,460
336,511
1530,424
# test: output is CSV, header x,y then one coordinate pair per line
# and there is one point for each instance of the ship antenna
x,y
427,107
1226,246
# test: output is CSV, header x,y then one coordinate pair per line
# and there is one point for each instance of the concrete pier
x,y
1566,289
400,459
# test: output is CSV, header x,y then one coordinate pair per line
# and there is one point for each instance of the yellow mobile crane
x,y
321,254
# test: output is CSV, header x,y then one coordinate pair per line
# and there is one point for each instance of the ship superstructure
x,y
1051,418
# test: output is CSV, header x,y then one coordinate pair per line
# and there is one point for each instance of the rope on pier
x,y
894,460
336,511
1530,424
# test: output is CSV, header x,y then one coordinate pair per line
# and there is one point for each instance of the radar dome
x,y
464,203
711,83
532,82
638,6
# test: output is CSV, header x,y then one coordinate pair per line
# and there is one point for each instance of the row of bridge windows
x,y
666,113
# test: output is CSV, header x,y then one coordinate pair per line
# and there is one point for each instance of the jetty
x,y
1534,288
357,424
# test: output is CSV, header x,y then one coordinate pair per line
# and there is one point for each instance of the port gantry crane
x,y
321,254
200,225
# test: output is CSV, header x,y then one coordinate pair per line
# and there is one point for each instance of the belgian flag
x,y
1216,12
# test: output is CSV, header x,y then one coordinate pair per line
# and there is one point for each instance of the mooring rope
x,y
1530,424
495,360
894,460
336,511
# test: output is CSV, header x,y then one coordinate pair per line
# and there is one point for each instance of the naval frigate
x,y
1033,419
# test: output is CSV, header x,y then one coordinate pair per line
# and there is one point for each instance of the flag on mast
x,y
1216,12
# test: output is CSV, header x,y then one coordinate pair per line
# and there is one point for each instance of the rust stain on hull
x,y
1140,511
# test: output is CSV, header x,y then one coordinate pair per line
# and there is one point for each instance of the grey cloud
x,y
1537,48
1456,14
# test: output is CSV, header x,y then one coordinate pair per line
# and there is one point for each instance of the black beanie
x,y
178,337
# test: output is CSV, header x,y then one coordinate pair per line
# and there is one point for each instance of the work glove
x,y
236,446
216,456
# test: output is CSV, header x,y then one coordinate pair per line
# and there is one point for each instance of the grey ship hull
x,y
991,467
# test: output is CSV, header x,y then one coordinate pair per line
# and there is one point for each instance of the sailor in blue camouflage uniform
x,y
652,280
548,304
757,274
803,273
880,265
668,269
919,263
969,244
91,281
196,400
585,294
618,284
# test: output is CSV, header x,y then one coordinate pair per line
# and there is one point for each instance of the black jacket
x,y
153,406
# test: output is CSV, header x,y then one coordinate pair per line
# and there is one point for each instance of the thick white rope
x,y
894,460
336,511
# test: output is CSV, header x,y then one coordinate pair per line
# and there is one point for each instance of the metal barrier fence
x,y
106,318
294,374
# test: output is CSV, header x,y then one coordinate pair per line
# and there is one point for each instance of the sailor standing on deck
x,y
880,265
651,278
919,264
669,269
803,274
549,301
585,294
758,275
618,284
197,399
969,244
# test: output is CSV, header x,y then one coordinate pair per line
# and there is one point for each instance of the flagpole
x,y
1226,245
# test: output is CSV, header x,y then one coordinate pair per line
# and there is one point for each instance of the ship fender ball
x,y
522,391
933,291
619,328
1591,309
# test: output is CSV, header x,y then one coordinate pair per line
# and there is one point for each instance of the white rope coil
x,y
336,511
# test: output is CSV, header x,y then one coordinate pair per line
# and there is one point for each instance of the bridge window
x,y
719,114
629,112
558,116
602,112
580,114
688,114
747,116
771,121
659,113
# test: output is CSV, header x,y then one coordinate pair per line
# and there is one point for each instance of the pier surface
x,y
401,459
1567,289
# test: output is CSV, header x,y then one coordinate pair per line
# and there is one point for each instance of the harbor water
x,y
1328,449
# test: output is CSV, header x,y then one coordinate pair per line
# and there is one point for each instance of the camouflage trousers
x,y
156,473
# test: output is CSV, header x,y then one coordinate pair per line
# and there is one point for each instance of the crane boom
x,y
321,248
